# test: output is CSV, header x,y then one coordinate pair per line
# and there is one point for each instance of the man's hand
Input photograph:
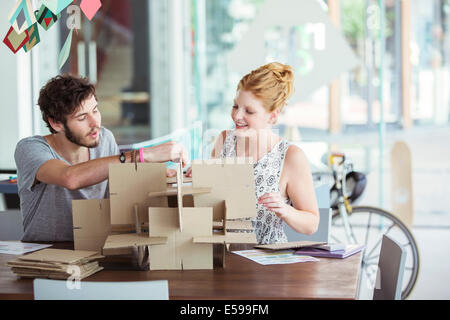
x,y
169,151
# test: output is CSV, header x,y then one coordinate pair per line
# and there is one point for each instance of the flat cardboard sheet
x,y
132,240
180,253
173,191
91,224
129,185
230,237
289,245
61,256
173,180
233,183
234,225
180,196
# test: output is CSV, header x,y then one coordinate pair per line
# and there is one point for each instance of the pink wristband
x,y
141,155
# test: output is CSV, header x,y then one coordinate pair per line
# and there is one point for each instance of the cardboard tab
x,y
132,240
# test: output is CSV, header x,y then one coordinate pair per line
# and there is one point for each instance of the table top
x,y
240,279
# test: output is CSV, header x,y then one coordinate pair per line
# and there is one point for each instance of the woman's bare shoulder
x,y
294,154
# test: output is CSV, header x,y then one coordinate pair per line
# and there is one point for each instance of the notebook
x,y
350,250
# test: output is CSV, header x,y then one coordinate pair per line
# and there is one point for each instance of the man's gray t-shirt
x,y
47,208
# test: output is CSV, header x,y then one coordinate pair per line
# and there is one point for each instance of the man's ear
x,y
56,125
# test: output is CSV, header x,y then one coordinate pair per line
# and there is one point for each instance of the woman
x,y
283,182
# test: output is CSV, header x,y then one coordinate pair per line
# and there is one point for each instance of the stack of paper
x,y
57,264
349,250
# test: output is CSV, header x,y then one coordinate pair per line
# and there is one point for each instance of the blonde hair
x,y
272,83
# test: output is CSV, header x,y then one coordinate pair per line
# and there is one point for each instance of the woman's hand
x,y
189,172
276,203
171,173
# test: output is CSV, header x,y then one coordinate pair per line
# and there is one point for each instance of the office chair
x,y
391,264
11,227
45,289
323,231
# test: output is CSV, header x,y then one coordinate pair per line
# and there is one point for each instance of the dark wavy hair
x,y
61,96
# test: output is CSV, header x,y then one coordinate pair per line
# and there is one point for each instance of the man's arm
x,y
77,176
91,172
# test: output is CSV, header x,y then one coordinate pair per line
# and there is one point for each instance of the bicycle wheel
x,y
368,224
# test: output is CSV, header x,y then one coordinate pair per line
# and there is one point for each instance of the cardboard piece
x,y
180,196
91,224
57,264
180,252
173,191
233,225
179,237
229,179
229,238
173,180
129,185
132,240
289,245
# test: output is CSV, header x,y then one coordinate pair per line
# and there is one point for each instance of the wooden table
x,y
240,279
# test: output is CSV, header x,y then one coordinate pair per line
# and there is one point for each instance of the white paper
x,y
268,257
18,248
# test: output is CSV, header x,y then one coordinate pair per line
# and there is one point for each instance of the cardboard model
x,y
179,218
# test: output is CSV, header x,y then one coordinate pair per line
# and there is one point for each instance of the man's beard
x,y
78,139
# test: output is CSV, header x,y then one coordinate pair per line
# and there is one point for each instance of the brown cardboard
x,y
230,237
233,225
173,180
132,240
91,223
60,256
180,237
129,185
180,252
230,179
173,191
180,196
289,245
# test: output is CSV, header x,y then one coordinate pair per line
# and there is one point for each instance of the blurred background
x,y
369,73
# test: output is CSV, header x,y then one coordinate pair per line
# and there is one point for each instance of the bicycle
x,y
352,224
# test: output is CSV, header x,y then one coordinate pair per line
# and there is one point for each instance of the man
x,y
72,162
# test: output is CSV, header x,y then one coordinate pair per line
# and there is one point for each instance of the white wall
x,y
9,117
23,74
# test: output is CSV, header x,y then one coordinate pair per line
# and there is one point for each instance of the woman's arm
x,y
303,215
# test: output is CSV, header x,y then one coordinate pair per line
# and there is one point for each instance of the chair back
x,y
391,265
321,235
323,231
45,289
